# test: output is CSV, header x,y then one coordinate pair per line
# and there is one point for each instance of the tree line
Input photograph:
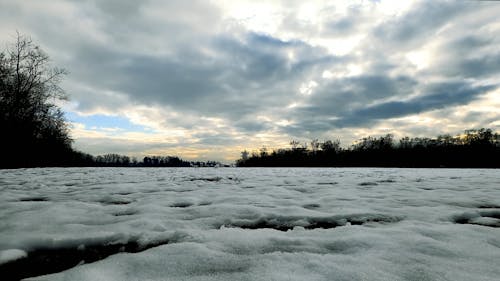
x,y
476,148
116,160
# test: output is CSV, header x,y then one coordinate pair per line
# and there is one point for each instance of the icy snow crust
x,y
250,224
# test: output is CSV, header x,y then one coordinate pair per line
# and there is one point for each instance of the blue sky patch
x,y
99,121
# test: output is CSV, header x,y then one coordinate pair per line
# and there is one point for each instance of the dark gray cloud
x,y
419,24
243,77
251,125
469,56
376,99
341,26
347,24
335,98
438,96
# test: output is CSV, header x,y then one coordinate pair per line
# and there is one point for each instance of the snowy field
x,y
249,224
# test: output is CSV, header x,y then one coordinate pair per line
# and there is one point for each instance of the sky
x,y
205,80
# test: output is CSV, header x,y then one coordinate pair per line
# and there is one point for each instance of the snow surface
x,y
11,255
258,224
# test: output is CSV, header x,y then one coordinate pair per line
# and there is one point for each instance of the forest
x,y
475,148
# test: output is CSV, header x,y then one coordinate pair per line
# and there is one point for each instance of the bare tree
x,y
295,144
331,146
244,155
32,125
315,145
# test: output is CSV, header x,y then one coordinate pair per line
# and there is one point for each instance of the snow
x,y
254,224
10,255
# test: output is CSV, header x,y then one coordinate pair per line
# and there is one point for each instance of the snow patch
x,y
251,224
11,255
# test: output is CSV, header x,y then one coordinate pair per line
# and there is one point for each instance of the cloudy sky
x,y
207,79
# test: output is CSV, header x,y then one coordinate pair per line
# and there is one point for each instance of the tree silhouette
x,y
475,148
34,131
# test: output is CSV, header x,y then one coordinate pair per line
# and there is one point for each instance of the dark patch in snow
x,y
234,179
125,213
324,223
44,261
489,206
368,183
262,223
183,190
212,179
287,185
115,201
491,214
124,193
181,205
461,219
287,223
153,191
311,206
34,199
484,218
302,190
205,203
386,181
327,183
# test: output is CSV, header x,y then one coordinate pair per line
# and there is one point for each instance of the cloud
x,y
440,96
420,24
241,76
339,98
215,76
